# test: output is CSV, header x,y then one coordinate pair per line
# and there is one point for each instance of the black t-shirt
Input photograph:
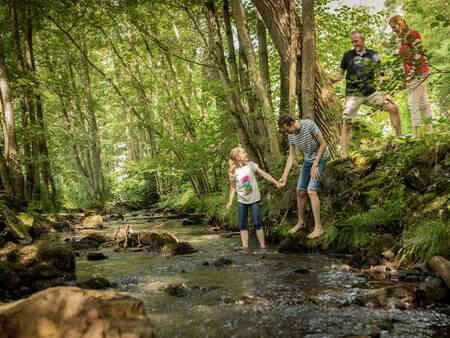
x,y
360,78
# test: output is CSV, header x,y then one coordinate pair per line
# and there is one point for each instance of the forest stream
x,y
222,292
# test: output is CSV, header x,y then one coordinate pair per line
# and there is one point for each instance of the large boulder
x,y
60,255
74,312
156,241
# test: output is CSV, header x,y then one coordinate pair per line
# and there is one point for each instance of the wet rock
x,y
74,312
391,297
180,248
89,242
294,244
301,270
176,290
205,263
194,220
156,241
44,270
430,291
60,255
97,283
93,222
221,262
96,256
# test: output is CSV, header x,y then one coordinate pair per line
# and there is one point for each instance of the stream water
x,y
257,295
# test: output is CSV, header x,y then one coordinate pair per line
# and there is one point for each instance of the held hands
x,y
281,182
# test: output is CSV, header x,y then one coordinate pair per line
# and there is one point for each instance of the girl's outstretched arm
x,y
267,176
231,194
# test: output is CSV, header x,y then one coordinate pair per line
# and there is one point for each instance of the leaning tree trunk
x,y
282,29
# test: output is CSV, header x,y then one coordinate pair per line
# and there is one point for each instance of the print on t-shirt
x,y
247,184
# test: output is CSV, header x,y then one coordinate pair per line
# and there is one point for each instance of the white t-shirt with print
x,y
246,184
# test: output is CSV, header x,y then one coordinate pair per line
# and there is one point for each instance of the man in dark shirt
x,y
359,65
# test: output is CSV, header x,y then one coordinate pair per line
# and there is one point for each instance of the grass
x,y
426,239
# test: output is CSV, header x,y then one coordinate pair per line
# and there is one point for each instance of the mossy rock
x,y
294,244
60,255
16,230
175,249
92,241
156,241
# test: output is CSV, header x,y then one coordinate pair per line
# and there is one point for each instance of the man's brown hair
x,y
285,120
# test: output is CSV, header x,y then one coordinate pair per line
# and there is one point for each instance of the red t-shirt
x,y
411,51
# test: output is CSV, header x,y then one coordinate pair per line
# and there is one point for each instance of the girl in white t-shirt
x,y
243,183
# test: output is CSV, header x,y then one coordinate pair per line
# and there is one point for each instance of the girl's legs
x,y
244,238
242,216
257,224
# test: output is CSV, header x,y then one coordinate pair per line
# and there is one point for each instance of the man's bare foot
x,y
297,227
316,233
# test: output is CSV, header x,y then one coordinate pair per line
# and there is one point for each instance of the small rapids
x,y
252,294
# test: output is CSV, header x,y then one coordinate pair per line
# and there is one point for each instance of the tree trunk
x,y
257,82
94,134
263,54
308,59
327,108
11,152
234,104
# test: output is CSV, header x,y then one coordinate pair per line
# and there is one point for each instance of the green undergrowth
x,y
426,239
405,196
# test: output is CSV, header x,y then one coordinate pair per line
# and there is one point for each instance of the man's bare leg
x,y
345,139
261,239
315,205
301,202
394,116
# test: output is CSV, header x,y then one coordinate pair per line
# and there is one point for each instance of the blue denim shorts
x,y
305,182
243,215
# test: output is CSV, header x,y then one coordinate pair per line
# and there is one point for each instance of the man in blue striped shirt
x,y
306,135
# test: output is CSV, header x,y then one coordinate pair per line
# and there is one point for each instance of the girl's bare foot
x,y
297,227
316,233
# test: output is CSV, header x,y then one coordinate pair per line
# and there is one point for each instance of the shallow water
x,y
258,295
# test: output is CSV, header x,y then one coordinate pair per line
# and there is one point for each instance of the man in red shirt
x,y
416,70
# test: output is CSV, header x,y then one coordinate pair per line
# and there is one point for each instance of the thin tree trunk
x,y
308,59
263,54
94,134
11,152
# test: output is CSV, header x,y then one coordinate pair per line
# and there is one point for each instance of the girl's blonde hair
x,y
400,20
232,162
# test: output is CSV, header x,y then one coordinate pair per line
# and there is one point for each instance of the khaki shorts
x,y
352,104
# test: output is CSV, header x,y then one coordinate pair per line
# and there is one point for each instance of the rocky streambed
x,y
215,290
